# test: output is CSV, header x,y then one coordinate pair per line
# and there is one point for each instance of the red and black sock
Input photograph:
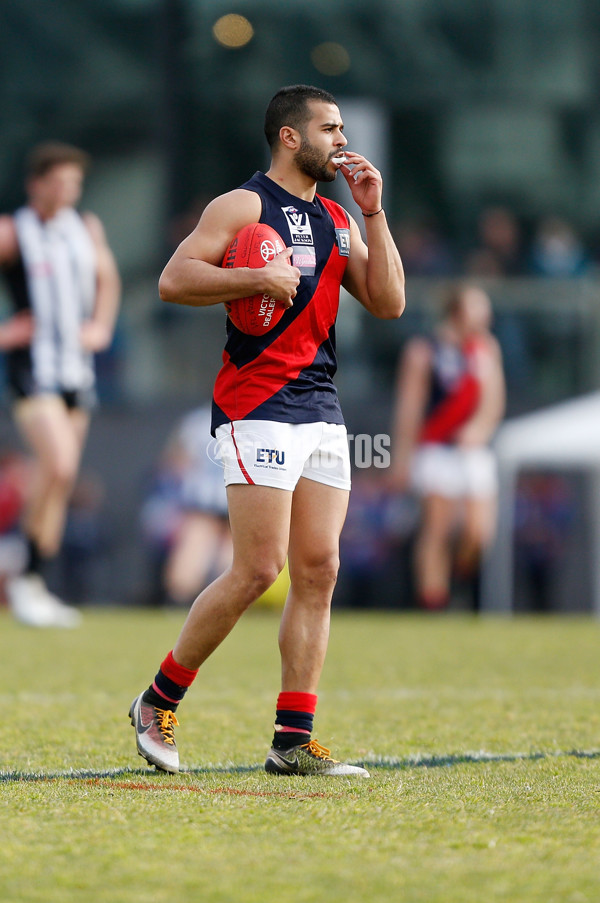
x,y
170,685
294,719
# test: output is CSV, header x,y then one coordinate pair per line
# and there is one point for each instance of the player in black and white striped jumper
x,y
64,286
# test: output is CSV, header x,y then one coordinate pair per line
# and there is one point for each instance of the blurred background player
x,y
202,544
184,517
449,400
64,287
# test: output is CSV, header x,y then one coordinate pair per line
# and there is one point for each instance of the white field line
x,y
384,763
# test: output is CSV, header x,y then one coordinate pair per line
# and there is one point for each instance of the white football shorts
x,y
454,472
267,453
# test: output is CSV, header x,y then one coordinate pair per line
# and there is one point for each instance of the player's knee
x,y
318,572
63,472
259,576
327,570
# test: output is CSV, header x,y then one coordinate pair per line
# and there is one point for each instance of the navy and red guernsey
x,y
287,374
454,391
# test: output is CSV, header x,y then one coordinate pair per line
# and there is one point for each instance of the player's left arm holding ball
x,y
194,275
374,274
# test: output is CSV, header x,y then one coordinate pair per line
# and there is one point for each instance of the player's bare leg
x,y
260,526
433,558
318,514
475,538
56,437
478,530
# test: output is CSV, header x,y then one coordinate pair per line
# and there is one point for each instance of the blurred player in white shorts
x,y
454,471
450,399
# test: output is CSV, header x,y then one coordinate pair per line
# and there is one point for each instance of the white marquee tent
x,y
564,436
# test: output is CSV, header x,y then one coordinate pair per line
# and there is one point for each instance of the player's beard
x,y
313,163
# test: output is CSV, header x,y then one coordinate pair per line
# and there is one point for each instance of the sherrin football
x,y
253,247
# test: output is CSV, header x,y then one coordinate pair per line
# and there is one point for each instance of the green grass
x,y
482,737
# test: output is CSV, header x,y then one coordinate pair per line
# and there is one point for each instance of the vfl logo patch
x,y
299,226
343,241
270,456
304,257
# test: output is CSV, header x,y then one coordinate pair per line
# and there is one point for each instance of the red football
x,y
253,247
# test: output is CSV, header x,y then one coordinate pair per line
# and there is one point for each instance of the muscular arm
x,y
194,275
96,333
375,275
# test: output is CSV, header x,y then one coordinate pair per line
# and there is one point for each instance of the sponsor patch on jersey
x,y
305,258
343,241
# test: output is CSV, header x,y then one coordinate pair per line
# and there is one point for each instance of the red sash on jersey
x,y
458,406
238,391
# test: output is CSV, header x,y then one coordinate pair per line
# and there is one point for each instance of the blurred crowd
x,y
502,246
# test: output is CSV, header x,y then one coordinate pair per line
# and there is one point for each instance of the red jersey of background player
x,y
454,389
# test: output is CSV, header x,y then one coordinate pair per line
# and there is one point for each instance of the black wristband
x,y
372,214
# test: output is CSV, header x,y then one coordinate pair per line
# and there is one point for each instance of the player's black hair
x,y
290,107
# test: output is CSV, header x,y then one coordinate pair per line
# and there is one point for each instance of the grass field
x,y
482,737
